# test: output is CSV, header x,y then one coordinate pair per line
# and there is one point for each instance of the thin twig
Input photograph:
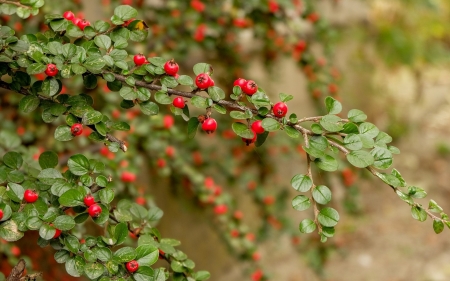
x,y
14,3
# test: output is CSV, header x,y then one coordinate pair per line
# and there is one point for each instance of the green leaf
x,y
301,183
29,104
301,203
75,266
58,25
9,231
328,217
121,233
78,164
103,41
333,106
353,142
48,159
241,115
220,109
13,160
49,176
242,130
169,81
434,207
63,133
192,127
149,108
291,132
261,139
92,117
72,243
199,102
331,123
360,158
163,98
185,80
418,213
71,198
125,12
438,226
46,231
416,192
199,276
327,163
368,129
285,97
382,137
383,158
50,86
321,194
94,270
125,254
147,255
307,226
216,93
270,125
202,68
106,195
356,116
15,192
64,223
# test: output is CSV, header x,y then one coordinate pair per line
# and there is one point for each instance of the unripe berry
x,y
171,67
94,210
51,70
139,59
257,127
280,109
132,266
178,102
76,129
220,209
203,81
250,87
68,15
30,196
209,126
89,200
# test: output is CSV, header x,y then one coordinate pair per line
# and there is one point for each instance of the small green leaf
x,y
103,41
327,163
301,183
199,102
333,106
270,125
216,93
13,160
356,116
353,142
192,127
418,213
328,217
149,108
321,194
125,254
71,198
301,203
78,164
64,223
29,104
242,130
331,123
438,226
48,159
125,12
360,158
202,68
307,226
368,129
63,133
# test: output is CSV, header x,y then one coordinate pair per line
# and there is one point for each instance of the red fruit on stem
x,y
280,109
94,210
1,214
220,209
89,200
30,196
178,102
257,127
240,82
76,21
203,81
209,126
76,129
139,59
57,233
171,67
132,266
250,141
83,23
51,70
68,15
250,87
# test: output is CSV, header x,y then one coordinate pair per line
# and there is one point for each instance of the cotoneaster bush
x,y
45,197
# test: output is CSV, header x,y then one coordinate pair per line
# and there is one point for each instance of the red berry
x,y
76,21
68,15
197,5
269,200
300,46
257,275
30,196
94,210
257,127
128,177
170,151
1,214
171,67
141,200
220,209
280,109
250,141
250,87
168,121
161,163
89,200
256,256
210,125
51,70
57,233
139,59
234,233
76,129
203,81
238,215
273,6
212,83
83,23
240,82
132,266
15,251
178,102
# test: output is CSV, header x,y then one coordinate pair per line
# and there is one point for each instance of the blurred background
x,y
389,58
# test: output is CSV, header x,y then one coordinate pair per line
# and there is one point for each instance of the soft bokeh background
x,y
393,56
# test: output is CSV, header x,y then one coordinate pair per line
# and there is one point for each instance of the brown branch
x,y
121,143
14,3
18,270
22,91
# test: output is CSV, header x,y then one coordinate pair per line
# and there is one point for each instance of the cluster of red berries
x,y
204,81
94,209
81,23
249,87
